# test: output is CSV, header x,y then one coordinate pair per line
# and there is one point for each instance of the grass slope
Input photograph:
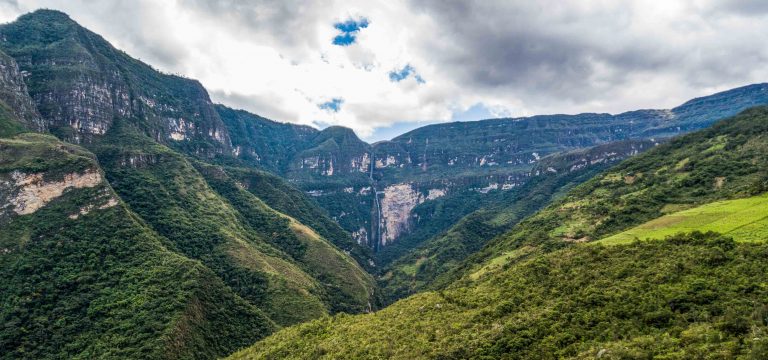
x,y
742,219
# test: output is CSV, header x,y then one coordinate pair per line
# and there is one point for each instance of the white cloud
x,y
276,58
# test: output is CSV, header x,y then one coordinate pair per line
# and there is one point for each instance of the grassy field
x,y
743,219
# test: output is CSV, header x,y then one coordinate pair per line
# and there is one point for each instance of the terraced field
x,y
743,219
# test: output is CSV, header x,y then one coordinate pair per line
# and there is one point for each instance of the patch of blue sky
x,y
475,112
334,105
349,30
402,74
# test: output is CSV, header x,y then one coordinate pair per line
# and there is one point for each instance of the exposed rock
x,y
397,203
361,236
396,206
433,194
88,208
719,182
32,192
13,92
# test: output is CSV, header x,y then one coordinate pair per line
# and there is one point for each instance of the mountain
x,y
723,162
268,258
548,288
424,217
135,232
83,86
396,185
141,220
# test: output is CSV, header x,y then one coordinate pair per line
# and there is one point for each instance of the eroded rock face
x,y
31,192
111,201
397,203
13,92
396,206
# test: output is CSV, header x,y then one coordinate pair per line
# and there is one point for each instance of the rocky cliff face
x,y
397,203
15,97
81,84
30,192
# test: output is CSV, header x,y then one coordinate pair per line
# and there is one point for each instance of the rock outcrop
x,y
32,192
14,96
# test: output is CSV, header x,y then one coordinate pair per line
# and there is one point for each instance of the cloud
x,y
277,58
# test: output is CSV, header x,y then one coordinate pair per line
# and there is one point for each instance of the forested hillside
x,y
544,289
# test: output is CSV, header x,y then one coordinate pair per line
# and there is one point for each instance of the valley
x,y
140,219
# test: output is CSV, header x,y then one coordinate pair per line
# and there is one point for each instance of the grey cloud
x,y
14,4
744,7
531,55
287,24
553,51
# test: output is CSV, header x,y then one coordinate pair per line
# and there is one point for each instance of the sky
x,y
385,67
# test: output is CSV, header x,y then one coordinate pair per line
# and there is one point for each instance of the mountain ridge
x,y
539,291
385,180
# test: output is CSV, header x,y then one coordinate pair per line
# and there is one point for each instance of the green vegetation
x,y
100,284
727,161
424,267
181,249
281,196
270,266
742,219
692,296
8,126
348,287
171,240
535,292
430,264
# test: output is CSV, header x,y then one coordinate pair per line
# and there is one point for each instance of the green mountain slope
x,y
723,162
688,297
270,265
537,292
144,250
742,219
83,277
426,265
348,287
283,197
